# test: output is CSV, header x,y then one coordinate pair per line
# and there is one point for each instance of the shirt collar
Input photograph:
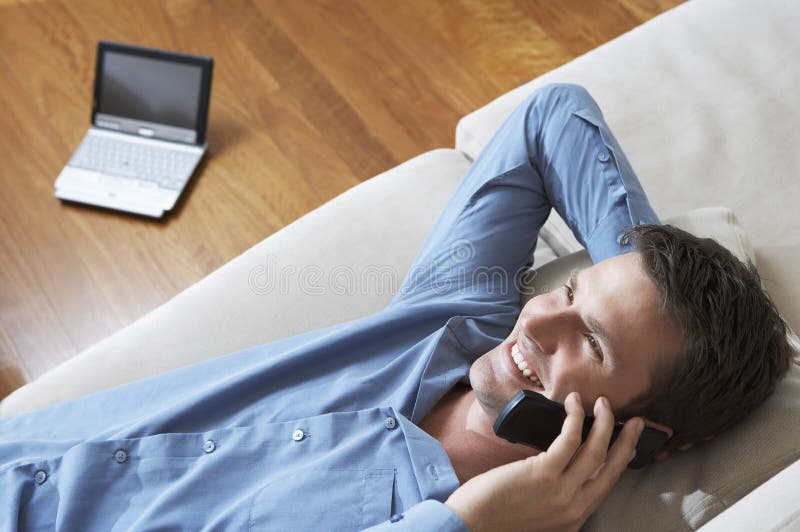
x,y
434,473
448,364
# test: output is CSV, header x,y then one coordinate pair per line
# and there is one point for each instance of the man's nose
x,y
549,329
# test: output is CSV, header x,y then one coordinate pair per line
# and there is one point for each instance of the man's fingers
x,y
593,453
564,446
619,456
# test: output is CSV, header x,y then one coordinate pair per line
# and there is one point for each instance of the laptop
x,y
148,130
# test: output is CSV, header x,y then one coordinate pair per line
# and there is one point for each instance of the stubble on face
x,y
489,379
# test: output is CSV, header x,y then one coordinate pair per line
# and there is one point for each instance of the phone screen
x,y
532,419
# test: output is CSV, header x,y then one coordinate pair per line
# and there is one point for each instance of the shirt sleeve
x,y
429,515
555,150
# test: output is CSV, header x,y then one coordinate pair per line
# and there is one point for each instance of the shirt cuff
x,y
604,242
429,515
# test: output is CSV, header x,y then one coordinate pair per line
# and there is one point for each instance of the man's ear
x,y
663,453
658,426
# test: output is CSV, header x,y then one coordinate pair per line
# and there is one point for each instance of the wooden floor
x,y
308,100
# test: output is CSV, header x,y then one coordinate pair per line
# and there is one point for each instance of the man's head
x,y
691,341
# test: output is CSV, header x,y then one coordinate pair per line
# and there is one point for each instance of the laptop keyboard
x,y
161,166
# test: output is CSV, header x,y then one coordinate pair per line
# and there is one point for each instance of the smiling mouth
x,y
524,368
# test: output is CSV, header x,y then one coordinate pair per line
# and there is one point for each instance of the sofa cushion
x,y
689,488
779,495
719,223
703,100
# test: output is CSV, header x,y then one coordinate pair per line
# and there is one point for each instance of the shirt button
x,y
297,435
395,518
40,477
390,423
209,446
432,471
120,456
603,157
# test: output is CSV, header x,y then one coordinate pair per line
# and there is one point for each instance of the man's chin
x,y
491,393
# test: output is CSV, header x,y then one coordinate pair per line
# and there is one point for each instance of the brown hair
x,y
735,347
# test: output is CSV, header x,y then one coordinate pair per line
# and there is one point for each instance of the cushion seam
x,y
715,498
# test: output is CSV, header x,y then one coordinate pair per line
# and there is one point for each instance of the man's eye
x,y
570,295
595,346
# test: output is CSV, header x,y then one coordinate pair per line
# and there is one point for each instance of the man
x,y
379,421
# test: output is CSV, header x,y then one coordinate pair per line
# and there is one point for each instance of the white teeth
x,y
523,366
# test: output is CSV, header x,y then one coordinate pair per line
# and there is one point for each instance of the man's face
x,y
558,335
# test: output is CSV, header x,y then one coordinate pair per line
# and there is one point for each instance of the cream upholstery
x,y
773,506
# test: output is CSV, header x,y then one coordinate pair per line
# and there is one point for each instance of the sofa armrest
x,y
343,260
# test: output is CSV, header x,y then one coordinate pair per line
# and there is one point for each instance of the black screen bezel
x,y
206,64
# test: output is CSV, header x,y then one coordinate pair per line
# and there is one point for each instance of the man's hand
x,y
555,490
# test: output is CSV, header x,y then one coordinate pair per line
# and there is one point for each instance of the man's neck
x,y
465,431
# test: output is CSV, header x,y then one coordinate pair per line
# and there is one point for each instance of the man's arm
x,y
555,150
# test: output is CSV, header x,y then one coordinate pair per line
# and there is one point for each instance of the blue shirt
x,y
319,431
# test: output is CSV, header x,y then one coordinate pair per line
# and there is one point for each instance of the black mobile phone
x,y
532,419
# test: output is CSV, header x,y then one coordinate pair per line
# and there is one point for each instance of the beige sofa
x,y
703,99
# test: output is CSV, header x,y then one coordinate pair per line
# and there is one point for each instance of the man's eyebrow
x,y
593,324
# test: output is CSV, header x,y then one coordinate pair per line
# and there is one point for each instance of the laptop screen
x,y
152,92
